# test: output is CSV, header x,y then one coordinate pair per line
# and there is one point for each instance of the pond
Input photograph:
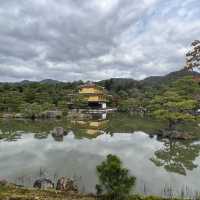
x,y
28,151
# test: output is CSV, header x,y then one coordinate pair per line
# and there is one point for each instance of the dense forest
x,y
174,97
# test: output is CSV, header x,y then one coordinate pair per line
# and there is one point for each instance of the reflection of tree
x,y
176,156
124,123
10,136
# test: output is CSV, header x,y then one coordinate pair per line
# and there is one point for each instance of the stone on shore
x,y
67,185
43,183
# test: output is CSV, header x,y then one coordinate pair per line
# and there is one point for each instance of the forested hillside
x,y
128,94
117,85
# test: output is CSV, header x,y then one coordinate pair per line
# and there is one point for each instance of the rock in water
x,y
43,183
58,132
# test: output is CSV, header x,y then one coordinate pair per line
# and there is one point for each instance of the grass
x,y
11,192
16,193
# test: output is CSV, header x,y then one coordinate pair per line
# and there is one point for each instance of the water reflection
x,y
177,156
91,125
85,126
84,143
10,136
42,135
74,157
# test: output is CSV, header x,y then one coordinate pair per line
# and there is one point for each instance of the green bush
x,y
115,181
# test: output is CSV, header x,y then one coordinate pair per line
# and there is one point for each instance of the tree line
x,y
173,101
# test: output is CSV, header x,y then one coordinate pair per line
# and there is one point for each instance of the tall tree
x,y
193,56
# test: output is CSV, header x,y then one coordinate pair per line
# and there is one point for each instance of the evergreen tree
x,y
115,181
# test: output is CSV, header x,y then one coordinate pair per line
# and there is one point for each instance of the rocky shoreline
x,y
63,184
43,188
9,191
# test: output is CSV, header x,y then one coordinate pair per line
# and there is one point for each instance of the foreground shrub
x,y
115,181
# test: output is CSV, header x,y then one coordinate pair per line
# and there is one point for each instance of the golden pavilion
x,y
95,95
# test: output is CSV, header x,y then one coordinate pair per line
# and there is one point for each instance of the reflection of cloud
x,y
96,39
73,156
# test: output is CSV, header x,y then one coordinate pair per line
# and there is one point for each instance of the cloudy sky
x,y
94,39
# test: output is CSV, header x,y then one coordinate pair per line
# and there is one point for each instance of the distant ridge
x,y
50,81
27,82
157,80
152,81
123,82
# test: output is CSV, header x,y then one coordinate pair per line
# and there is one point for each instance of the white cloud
x,y
75,39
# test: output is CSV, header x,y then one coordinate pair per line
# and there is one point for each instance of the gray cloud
x,y
74,39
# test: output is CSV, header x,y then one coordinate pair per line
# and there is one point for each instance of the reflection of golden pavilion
x,y
92,126
95,95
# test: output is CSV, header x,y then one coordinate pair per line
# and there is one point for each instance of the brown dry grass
x,y
16,193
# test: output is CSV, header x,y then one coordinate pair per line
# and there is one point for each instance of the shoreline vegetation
x,y
173,99
12,192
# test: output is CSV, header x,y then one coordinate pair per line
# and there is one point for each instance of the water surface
x,y
28,151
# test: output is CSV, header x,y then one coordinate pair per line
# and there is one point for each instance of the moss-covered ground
x,y
12,192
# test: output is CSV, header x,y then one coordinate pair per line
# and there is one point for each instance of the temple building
x,y
95,95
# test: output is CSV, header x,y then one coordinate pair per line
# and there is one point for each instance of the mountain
x,y
159,80
27,82
117,84
50,81
122,83
24,82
